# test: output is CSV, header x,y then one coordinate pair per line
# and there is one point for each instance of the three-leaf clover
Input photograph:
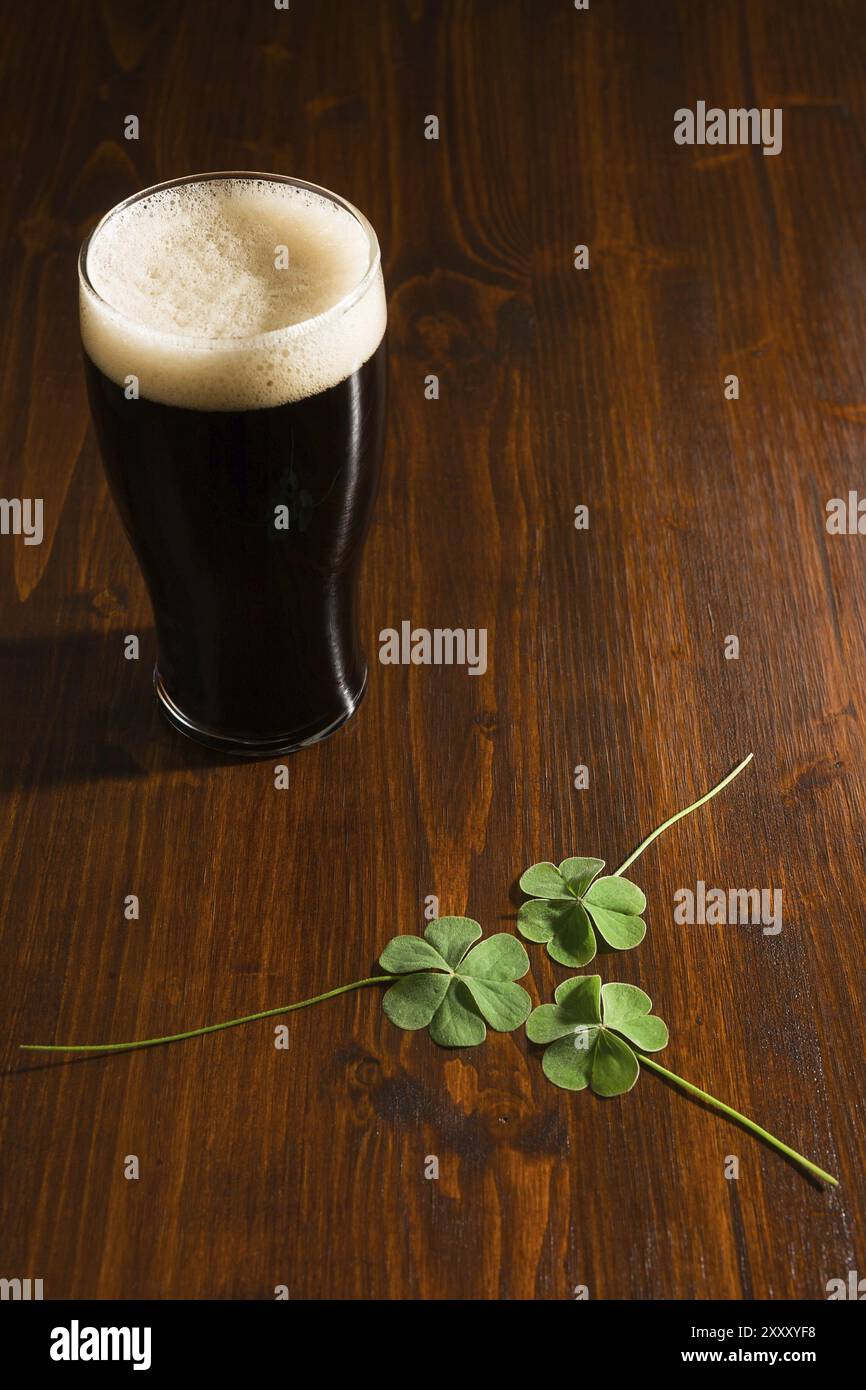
x,y
582,1028
453,988
571,900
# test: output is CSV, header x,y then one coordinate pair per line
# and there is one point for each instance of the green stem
x,y
211,1028
679,815
741,1119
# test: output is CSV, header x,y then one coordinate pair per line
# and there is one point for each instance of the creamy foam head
x,y
195,297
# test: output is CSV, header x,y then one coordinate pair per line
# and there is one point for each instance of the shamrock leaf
x,y
452,985
585,1029
571,903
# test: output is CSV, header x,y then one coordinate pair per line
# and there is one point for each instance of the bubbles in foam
x,y
194,298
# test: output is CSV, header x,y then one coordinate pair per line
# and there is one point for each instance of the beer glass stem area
x,y
240,417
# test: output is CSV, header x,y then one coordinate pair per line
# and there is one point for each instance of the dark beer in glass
x,y
233,328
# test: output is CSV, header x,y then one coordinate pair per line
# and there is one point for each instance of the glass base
x,y
244,747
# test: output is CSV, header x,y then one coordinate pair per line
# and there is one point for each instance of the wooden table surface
x,y
305,1167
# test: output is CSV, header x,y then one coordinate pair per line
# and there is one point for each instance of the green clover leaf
x,y
452,986
585,1029
571,903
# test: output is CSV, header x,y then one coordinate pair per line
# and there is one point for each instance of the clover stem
x,y
741,1119
679,815
211,1028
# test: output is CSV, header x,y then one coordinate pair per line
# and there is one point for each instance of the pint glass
x,y
233,328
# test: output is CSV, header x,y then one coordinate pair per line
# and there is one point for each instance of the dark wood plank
x,y
558,387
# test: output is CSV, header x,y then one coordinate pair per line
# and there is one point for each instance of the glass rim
x,y
340,307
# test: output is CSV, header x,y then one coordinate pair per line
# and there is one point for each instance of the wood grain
x,y
558,387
